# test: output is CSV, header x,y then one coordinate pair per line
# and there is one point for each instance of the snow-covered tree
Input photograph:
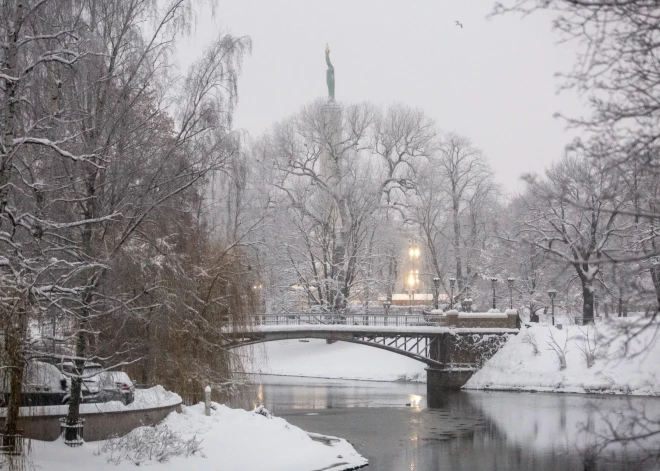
x,y
572,216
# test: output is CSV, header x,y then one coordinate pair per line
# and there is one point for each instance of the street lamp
x,y
493,282
452,283
413,250
552,293
413,279
467,301
509,282
436,293
411,290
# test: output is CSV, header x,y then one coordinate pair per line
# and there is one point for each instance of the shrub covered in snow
x,y
261,410
559,347
159,444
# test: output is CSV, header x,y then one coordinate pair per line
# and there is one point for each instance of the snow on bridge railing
x,y
305,318
451,319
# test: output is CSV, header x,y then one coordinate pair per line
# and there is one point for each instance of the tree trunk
x,y
16,363
655,276
587,301
457,246
73,415
392,274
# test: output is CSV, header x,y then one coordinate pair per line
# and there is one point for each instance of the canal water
x,y
391,425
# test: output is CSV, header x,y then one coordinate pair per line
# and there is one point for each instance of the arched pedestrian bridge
x,y
453,345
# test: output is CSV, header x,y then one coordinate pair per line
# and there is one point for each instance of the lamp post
x,y
467,302
386,307
552,293
509,282
436,292
494,282
468,299
411,290
452,283
413,279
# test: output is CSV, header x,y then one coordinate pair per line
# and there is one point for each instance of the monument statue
x,y
330,74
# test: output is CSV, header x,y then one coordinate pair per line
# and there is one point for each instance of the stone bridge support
x,y
462,355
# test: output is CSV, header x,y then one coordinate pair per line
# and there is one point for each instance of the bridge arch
x,y
393,346
452,349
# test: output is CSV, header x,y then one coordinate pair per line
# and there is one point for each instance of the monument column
x,y
331,128
330,171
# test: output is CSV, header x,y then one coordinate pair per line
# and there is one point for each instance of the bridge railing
x,y
304,318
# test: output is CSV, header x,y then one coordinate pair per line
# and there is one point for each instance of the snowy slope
x,y
338,360
618,368
232,440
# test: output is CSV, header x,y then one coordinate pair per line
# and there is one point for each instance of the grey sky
x,y
492,81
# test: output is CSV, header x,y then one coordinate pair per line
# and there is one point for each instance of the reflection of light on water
x,y
260,397
415,400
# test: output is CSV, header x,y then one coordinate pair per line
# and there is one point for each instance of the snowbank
x,y
231,439
339,360
531,360
144,399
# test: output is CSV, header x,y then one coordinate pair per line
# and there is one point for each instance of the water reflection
x,y
390,424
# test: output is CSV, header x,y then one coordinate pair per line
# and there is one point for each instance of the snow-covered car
x,y
90,377
116,386
100,385
43,385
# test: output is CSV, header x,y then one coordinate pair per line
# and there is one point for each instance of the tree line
x,y
107,154
577,228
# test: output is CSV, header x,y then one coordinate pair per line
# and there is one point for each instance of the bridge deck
x,y
370,330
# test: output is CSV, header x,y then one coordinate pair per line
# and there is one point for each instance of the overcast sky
x,y
492,81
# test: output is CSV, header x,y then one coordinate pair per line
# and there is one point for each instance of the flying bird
x,y
458,23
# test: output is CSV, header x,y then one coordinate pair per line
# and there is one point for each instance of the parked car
x,y
102,386
43,385
116,386
90,377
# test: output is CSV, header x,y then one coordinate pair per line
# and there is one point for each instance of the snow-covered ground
x,y
228,440
341,360
618,368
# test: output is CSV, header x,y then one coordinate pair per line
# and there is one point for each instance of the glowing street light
x,y
413,279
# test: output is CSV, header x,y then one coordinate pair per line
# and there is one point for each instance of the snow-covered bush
x,y
530,339
587,343
261,410
559,348
159,443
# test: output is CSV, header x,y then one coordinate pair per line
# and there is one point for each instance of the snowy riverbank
x,y
530,361
339,360
230,439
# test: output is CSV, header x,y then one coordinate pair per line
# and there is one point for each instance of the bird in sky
x,y
458,23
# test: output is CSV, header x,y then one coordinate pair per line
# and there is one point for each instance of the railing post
x,y
207,401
